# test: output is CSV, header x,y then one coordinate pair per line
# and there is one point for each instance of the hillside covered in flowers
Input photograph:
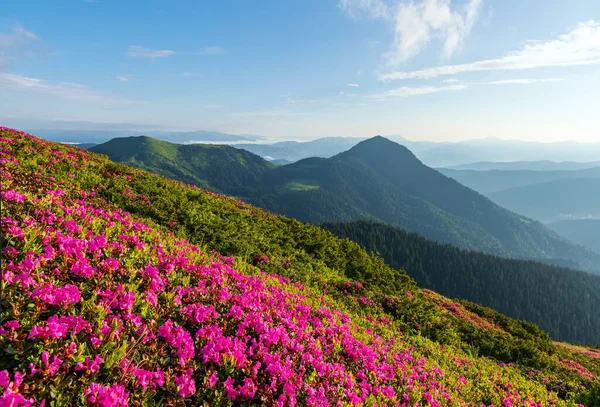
x,y
122,288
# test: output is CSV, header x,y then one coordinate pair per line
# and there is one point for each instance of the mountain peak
x,y
379,148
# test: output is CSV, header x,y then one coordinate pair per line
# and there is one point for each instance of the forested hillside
x,y
529,290
106,301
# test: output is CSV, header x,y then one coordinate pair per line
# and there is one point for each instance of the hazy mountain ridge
x,y
178,137
543,165
433,154
490,181
585,232
554,200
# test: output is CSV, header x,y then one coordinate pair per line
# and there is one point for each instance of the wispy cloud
x,y
62,90
271,113
417,22
124,78
452,80
524,81
353,85
15,43
212,50
137,51
376,9
213,106
580,46
407,91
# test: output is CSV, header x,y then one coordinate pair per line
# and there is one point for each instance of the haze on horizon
x,y
436,70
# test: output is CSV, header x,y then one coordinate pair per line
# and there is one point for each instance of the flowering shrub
x,y
101,307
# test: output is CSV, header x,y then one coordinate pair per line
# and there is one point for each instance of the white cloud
x,y
353,85
417,22
524,81
212,50
123,78
451,81
191,74
580,46
213,106
22,32
16,43
272,113
137,51
62,90
375,9
407,91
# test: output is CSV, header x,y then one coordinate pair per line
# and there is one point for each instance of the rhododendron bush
x,y
102,307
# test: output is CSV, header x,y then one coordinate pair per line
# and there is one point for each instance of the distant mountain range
x,y
551,201
292,151
492,149
544,165
102,136
377,179
585,232
491,181
433,154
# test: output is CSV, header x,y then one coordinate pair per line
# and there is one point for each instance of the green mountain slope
x,y
376,179
554,200
319,190
462,354
381,180
527,290
218,167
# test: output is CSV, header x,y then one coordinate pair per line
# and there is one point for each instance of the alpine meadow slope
x,y
376,180
113,295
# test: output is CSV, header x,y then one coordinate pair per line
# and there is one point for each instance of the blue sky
x,y
301,69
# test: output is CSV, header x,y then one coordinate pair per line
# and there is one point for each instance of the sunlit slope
x,y
105,302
